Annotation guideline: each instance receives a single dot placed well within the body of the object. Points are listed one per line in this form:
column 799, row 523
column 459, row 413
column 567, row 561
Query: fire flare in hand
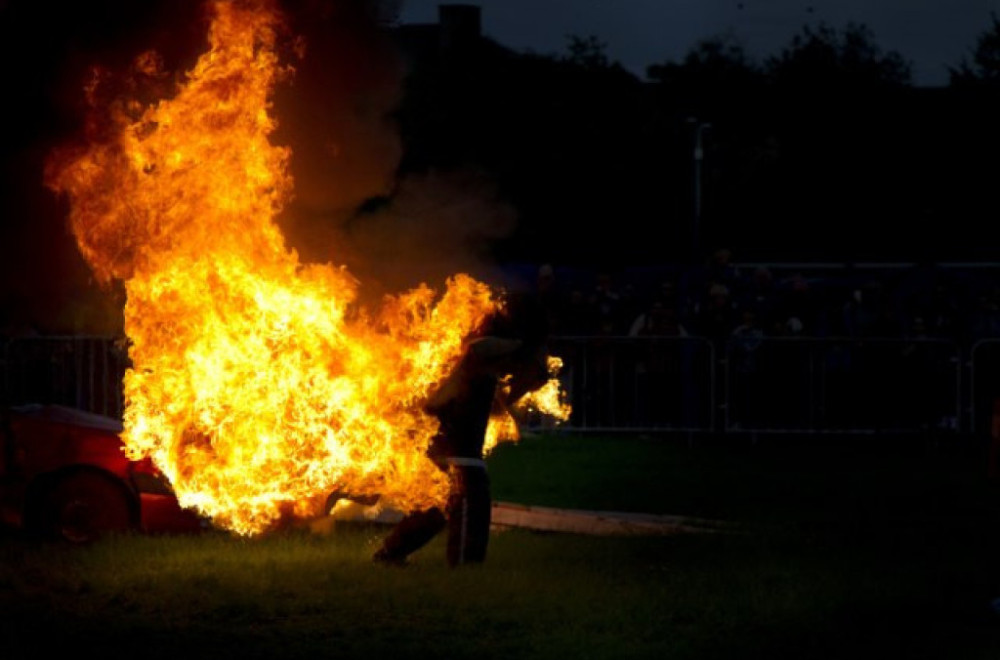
column 549, row 400
column 256, row 386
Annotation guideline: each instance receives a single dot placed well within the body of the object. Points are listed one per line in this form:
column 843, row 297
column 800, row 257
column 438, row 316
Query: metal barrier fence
column 762, row 384
column 81, row 371
column 842, row 385
column 769, row 384
column 639, row 383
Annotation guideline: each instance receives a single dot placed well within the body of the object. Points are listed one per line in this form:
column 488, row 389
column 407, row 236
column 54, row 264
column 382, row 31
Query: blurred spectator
column 668, row 295
column 869, row 313
column 798, row 310
column 662, row 368
column 722, row 269
column 760, row 295
column 659, row 320
column 718, row 267
column 819, row 304
column 917, row 329
column 629, row 306
column 746, row 338
column 905, row 307
column 984, row 322
column 941, row 313
column 926, row 376
column 549, row 298
column 931, row 293
column 605, row 305
column 576, row 317
column 749, row 384
column 716, row 317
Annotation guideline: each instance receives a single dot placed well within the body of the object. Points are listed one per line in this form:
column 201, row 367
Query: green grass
column 800, row 480
column 901, row 562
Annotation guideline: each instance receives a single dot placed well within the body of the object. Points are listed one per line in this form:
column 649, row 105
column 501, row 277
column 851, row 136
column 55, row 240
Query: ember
column 258, row 384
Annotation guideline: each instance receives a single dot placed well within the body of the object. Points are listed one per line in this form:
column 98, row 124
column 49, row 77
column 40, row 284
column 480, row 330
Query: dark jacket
column 511, row 342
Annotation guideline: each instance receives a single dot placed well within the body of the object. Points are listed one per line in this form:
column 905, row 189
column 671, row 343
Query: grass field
column 859, row 550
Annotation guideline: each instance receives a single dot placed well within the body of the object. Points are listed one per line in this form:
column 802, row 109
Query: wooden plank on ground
column 506, row 515
column 603, row 523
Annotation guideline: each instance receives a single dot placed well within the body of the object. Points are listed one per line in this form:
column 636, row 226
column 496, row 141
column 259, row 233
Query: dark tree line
column 825, row 150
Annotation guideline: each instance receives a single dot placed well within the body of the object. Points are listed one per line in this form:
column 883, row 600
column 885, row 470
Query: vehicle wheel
column 81, row 507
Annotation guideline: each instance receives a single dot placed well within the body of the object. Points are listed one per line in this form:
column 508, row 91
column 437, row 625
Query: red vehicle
column 64, row 475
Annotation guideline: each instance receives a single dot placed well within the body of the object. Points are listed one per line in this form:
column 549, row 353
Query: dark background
column 437, row 142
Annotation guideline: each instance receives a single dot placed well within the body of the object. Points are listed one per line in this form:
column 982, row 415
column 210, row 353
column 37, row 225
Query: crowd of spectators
column 929, row 313
column 721, row 299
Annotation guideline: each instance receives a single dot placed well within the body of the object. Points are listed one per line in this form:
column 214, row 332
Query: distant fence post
column 993, row 462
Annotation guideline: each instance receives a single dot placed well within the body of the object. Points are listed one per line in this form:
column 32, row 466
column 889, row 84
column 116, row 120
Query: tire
column 82, row 507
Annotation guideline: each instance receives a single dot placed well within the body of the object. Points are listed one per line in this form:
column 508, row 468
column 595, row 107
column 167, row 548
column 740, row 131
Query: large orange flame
column 257, row 384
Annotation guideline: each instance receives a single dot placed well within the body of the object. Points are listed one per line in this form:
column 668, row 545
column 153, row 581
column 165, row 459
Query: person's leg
column 409, row 535
column 469, row 513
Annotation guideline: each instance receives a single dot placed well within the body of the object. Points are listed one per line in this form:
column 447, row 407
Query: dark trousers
column 469, row 511
column 466, row 516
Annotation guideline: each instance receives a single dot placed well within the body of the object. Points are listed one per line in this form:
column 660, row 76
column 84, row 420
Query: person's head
column 718, row 295
column 668, row 291
column 603, row 281
column 546, row 277
column 762, row 277
column 722, row 257
column 520, row 317
column 663, row 318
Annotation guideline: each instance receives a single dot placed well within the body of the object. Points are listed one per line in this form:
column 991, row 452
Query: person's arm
column 528, row 373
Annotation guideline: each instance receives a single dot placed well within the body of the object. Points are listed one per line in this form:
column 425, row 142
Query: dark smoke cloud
column 337, row 116
column 335, row 112
column 433, row 226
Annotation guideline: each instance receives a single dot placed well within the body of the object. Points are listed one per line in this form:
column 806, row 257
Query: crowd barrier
column 762, row 384
column 84, row 372
column 843, row 385
column 651, row 384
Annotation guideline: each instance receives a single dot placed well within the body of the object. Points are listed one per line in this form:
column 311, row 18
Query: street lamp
column 699, row 155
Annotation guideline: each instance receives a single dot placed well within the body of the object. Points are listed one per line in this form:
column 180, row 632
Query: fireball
column 258, row 384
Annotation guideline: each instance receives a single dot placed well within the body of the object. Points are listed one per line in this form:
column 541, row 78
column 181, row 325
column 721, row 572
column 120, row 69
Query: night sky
column 931, row 34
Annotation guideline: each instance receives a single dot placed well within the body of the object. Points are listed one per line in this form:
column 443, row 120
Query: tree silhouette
column 716, row 83
column 985, row 65
column 719, row 60
column 588, row 52
column 823, row 57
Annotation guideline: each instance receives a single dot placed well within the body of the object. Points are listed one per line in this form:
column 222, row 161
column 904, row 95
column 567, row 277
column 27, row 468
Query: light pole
column 699, row 155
